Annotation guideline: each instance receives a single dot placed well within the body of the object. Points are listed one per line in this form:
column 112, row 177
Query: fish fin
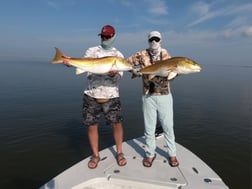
column 79, row 71
column 58, row 58
column 113, row 66
column 150, row 77
column 172, row 75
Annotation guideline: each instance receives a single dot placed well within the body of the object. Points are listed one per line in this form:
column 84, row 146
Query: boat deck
column 192, row 172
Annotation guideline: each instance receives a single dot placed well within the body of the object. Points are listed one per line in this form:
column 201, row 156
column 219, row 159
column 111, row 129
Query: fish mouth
column 197, row 69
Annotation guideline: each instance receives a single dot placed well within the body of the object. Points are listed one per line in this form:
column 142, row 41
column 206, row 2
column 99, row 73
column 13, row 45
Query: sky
column 208, row 31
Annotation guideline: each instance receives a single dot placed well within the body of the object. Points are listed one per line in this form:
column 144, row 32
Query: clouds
column 157, row 7
column 200, row 8
column 154, row 8
column 74, row 24
column 235, row 18
column 53, row 4
column 237, row 14
column 225, row 18
column 60, row 4
column 247, row 32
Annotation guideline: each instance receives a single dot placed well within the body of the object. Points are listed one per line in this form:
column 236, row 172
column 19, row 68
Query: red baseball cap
column 107, row 31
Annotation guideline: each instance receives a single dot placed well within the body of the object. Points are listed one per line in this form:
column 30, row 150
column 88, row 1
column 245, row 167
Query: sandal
column 147, row 162
column 173, row 162
column 121, row 161
column 93, row 162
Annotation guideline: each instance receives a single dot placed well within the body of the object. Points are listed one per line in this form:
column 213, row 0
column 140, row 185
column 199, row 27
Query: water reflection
column 41, row 132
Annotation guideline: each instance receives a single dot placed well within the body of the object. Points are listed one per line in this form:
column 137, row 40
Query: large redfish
column 171, row 67
column 94, row 65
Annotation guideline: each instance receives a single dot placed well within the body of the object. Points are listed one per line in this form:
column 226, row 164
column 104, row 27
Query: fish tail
column 58, row 58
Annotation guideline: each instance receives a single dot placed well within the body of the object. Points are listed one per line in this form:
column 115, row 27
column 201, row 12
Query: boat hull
column 192, row 173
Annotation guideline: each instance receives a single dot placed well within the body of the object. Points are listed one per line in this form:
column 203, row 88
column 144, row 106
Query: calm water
column 41, row 131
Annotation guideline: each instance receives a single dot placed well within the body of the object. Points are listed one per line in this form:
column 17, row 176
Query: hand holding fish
column 113, row 73
column 66, row 60
column 136, row 73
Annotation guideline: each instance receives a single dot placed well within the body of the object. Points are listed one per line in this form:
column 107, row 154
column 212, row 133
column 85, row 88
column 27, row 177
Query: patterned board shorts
column 92, row 111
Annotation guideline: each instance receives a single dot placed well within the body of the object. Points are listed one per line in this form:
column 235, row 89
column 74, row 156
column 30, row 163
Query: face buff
column 155, row 47
column 108, row 43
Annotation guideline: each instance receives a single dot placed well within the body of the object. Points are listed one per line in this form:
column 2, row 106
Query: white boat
column 192, row 172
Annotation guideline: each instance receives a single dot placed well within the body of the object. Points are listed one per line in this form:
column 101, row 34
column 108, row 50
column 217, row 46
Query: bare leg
column 93, row 137
column 118, row 137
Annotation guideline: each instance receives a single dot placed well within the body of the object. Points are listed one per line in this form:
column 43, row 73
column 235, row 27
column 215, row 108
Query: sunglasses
column 154, row 39
column 106, row 37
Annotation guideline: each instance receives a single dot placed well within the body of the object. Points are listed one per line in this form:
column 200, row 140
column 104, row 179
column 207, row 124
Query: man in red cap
column 107, row 31
column 102, row 97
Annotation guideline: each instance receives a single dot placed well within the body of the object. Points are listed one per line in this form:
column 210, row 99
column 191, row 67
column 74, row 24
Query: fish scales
column 94, row 65
column 171, row 67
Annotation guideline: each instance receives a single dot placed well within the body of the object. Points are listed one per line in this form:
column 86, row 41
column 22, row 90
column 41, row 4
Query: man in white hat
column 157, row 100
